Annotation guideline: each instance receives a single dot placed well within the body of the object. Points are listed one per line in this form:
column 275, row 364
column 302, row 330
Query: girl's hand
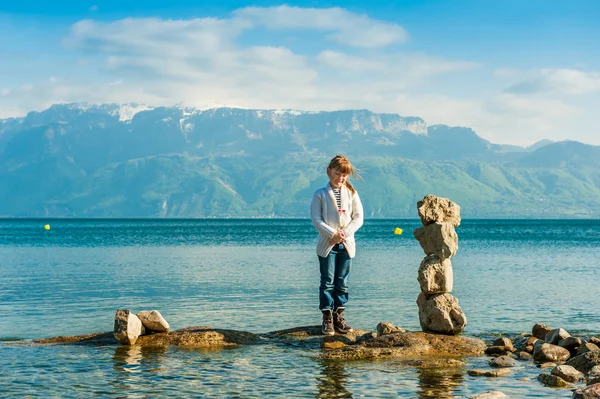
column 337, row 238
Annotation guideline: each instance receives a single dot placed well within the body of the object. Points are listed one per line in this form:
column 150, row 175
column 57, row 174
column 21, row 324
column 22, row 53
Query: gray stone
column 500, row 372
column 567, row 373
column 524, row 355
column 438, row 239
column 503, row 361
column 586, row 361
column 435, row 276
column 555, row 336
column 441, row 314
column 128, row 327
column 498, row 350
column 540, row 330
column 385, row 327
column 587, row 347
column 153, row 320
column 490, row 395
column 571, row 344
column 552, row 381
column 550, row 353
column 434, row 209
column 589, row 392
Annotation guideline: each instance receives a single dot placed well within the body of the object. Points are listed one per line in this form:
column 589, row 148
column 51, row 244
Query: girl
column 336, row 212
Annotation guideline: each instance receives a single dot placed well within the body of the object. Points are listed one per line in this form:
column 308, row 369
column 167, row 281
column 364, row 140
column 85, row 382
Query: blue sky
column 515, row 71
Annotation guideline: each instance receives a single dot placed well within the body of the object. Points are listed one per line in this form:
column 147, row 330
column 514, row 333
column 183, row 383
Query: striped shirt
column 338, row 197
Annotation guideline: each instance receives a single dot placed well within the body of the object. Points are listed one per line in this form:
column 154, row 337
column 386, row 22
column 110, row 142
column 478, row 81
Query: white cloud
column 345, row 27
column 558, row 81
column 209, row 61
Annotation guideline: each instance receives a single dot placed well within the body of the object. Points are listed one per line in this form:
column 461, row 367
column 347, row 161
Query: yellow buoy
column 398, row 230
column 47, row 227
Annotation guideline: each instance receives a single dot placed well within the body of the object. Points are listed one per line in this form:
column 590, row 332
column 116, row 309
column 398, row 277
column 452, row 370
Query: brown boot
column 339, row 323
column 327, row 327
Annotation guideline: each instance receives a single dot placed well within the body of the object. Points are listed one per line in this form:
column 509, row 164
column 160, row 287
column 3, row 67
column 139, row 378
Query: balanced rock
column 441, row 313
column 128, row 327
column 153, row 320
column 550, row 353
column 438, row 238
column 385, row 328
column 540, row 330
column 434, row 209
column 567, row 373
column 435, row 275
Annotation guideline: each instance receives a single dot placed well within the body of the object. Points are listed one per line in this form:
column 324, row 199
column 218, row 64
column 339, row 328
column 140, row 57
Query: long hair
column 342, row 164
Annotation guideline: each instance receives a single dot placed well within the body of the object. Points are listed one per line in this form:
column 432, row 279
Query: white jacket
column 328, row 219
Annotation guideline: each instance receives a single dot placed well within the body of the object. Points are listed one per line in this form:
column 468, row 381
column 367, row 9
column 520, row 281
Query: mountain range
column 111, row 160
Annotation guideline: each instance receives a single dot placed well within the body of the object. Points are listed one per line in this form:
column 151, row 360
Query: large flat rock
column 410, row 345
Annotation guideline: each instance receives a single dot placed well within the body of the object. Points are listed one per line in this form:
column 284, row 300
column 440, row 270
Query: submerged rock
column 489, row 395
column 501, row 372
column 409, row 345
column 553, row 381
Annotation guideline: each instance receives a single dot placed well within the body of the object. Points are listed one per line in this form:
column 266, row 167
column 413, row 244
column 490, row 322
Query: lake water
column 261, row 275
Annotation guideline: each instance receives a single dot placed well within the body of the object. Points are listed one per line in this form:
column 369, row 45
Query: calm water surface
column 260, row 276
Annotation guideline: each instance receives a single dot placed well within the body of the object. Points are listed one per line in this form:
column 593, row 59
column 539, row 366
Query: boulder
column 435, row 275
column 438, row 239
column 586, row 361
column 385, row 328
column 530, row 343
column 503, row 341
column 540, row 330
column 434, row 209
column 524, row 355
column 589, row 392
column 503, row 361
column 489, row 395
column 595, row 340
column 498, row 350
column 153, row 321
column 441, row 314
column 550, row 353
column 409, row 345
column 553, row 381
column 571, row 344
column 567, row 373
column 587, row 347
column 555, row 336
column 128, row 327
column 501, row 372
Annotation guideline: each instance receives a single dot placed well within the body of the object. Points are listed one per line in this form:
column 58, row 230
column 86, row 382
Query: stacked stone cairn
column 129, row 326
column 438, row 310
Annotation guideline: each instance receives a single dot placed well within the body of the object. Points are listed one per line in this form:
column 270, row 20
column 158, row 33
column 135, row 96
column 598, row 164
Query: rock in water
column 435, row 276
column 438, row 238
column 153, row 320
column 128, row 327
column 434, row 209
column 441, row 314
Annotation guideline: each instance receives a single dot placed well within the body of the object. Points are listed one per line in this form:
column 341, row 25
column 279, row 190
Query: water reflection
column 439, row 383
column 331, row 381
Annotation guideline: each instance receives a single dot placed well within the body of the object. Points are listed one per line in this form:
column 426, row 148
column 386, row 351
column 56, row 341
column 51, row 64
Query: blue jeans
column 335, row 270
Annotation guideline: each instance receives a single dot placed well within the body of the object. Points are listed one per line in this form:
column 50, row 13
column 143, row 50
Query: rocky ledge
column 357, row 345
